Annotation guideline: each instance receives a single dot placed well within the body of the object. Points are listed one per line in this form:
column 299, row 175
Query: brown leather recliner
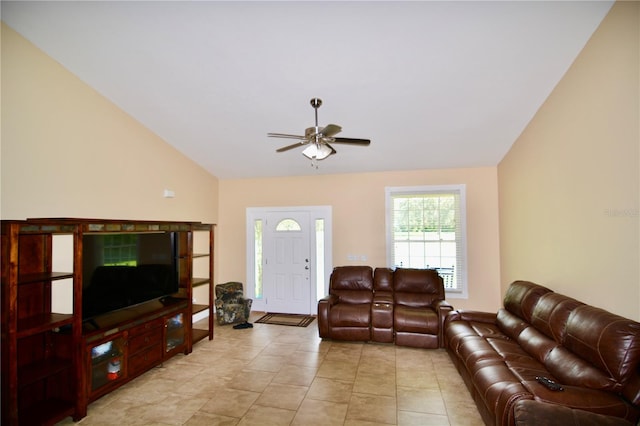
column 419, row 307
column 345, row 314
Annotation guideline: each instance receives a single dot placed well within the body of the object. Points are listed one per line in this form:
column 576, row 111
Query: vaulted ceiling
column 432, row 84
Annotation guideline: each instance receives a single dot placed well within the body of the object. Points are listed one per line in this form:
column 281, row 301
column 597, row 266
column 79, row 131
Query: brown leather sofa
column 405, row 306
column 593, row 354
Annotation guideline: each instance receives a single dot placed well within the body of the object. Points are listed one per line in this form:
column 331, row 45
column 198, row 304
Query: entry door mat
column 295, row 320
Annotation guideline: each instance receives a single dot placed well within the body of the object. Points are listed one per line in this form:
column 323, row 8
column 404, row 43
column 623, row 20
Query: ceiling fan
column 318, row 139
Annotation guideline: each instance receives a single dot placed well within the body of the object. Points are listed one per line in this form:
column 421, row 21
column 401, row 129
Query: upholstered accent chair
column 231, row 305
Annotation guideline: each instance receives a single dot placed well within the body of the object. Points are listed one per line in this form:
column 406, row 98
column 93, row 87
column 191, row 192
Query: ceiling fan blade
column 288, row 147
column 284, row 135
column 330, row 130
column 363, row 142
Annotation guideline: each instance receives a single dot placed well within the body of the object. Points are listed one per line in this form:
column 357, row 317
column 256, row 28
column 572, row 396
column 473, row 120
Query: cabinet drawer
column 142, row 341
column 144, row 328
column 145, row 359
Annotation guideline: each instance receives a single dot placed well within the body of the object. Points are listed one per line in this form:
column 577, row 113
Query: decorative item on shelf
column 113, row 369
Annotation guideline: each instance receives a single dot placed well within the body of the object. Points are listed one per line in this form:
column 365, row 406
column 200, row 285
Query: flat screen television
column 126, row 269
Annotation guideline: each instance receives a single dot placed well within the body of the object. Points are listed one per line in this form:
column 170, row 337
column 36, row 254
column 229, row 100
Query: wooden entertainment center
column 54, row 360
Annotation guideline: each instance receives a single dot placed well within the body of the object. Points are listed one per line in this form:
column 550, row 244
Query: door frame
column 315, row 213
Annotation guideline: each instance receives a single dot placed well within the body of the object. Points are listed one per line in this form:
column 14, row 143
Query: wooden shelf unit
column 52, row 364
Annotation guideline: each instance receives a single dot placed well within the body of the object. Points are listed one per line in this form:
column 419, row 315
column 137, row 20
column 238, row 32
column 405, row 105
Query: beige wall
column 569, row 187
column 69, row 152
column 358, row 206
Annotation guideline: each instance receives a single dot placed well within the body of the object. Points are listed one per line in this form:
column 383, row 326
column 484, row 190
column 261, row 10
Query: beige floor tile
column 372, row 408
column 330, row 390
column 377, row 365
column 345, row 352
column 355, row 422
column 315, row 345
column 251, row 380
column 296, row 375
column 206, row 419
column 204, row 385
column 421, row 401
column 280, row 349
column 341, row 370
column 384, row 351
column 320, row 413
column 230, row 402
column 381, row 383
column 175, row 410
column 284, row 396
column 415, row 378
column 267, row 363
column 263, row 416
column 306, row 358
column 463, row 413
column 408, row 418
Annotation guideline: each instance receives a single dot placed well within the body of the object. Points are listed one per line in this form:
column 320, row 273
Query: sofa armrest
column 442, row 307
column 534, row 413
column 579, row 398
column 324, row 306
column 475, row 316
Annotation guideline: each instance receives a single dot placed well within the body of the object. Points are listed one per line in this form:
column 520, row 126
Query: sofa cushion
column 609, row 342
column 383, row 281
column 352, row 284
column 350, row 315
column 521, row 298
column 412, row 320
column 536, row 344
column 417, row 287
column 551, row 313
column 510, row 324
column 573, row 370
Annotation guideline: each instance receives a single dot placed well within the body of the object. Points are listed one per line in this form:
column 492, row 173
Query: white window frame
column 461, row 262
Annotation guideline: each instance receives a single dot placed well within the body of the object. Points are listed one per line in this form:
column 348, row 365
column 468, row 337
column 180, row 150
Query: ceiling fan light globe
column 317, row 151
column 323, row 152
column 310, row 152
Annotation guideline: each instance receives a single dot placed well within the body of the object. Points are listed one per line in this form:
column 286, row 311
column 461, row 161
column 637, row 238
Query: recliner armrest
column 324, row 305
column 331, row 299
column 443, row 308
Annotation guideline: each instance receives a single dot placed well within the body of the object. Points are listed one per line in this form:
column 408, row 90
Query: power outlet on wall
column 357, row 257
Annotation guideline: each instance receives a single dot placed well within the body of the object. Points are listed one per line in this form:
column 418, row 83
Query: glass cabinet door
column 174, row 337
column 107, row 362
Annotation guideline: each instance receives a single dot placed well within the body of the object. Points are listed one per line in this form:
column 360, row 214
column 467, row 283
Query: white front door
column 287, row 268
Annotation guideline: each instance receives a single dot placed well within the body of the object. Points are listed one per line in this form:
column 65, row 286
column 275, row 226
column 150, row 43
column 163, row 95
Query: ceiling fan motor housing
column 311, row 132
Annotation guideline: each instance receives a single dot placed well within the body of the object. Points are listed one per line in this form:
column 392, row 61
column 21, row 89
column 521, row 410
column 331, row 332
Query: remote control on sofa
column 550, row 384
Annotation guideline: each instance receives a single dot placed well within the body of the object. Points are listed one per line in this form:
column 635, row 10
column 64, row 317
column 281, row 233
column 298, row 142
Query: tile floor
column 281, row 375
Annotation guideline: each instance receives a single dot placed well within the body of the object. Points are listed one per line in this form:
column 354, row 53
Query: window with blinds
column 426, row 229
